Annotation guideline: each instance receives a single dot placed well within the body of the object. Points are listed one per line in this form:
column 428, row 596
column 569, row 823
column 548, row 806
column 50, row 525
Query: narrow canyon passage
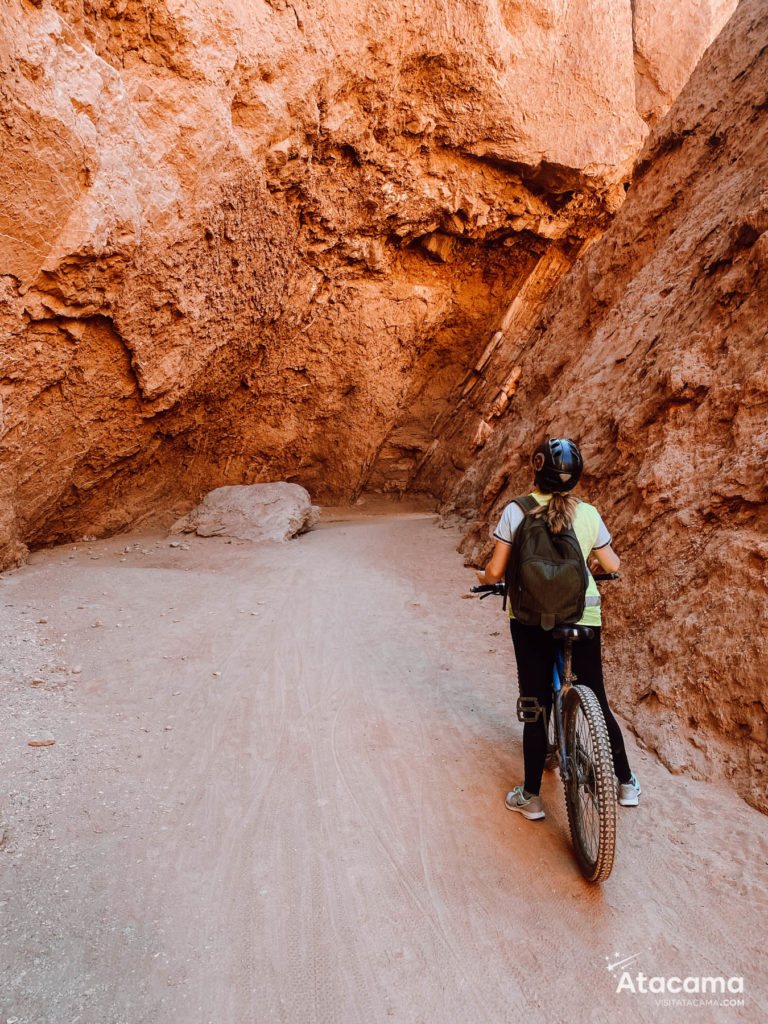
column 276, row 794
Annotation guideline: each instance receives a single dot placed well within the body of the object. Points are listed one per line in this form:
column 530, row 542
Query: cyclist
column 557, row 466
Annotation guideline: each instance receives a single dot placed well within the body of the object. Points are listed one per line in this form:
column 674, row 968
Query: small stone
column 95, row 624
column 77, row 670
column 37, row 682
column 45, row 739
column 217, row 674
column 42, row 621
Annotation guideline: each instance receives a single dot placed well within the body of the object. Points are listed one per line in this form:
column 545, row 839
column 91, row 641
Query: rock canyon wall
column 256, row 240
column 653, row 352
column 333, row 244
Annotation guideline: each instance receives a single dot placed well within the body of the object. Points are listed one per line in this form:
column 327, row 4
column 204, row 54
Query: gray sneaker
column 530, row 807
column 629, row 792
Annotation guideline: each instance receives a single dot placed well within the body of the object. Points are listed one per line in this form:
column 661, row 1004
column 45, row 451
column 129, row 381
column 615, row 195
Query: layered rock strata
column 246, row 241
column 652, row 354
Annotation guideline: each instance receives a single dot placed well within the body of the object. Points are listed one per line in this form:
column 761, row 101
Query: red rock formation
column 652, row 353
column 669, row 40
column 238, row 240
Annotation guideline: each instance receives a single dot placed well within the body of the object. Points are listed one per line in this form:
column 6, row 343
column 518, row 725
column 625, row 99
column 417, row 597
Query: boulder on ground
column 275, row 511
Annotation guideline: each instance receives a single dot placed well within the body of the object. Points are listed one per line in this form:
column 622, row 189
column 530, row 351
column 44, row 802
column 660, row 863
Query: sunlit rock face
column 669, row 39
column 652, row 354
column 248, row 241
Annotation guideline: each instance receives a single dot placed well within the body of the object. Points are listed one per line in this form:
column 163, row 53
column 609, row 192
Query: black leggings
column 535, row 654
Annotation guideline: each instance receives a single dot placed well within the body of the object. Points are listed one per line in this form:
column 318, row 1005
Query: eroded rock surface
column 258, row 512
column 652, row 353
column 669, row 40
column 244, row 241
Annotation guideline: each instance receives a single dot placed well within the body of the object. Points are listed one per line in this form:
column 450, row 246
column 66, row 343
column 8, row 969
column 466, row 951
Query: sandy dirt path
column 276, row 794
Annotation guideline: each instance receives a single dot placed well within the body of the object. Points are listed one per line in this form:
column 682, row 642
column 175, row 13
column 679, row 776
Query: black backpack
column 546, row 579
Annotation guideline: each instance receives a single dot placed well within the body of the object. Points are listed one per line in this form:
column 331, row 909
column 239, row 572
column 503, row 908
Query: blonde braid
column 560, row 511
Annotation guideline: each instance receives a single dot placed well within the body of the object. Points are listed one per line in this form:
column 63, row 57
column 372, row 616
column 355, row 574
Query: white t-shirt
column 513, row 515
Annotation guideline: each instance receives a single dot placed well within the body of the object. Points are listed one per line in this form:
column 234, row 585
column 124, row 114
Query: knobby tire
column 590, row 792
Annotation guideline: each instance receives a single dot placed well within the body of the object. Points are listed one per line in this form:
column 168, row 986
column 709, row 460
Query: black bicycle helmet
column 557, row 465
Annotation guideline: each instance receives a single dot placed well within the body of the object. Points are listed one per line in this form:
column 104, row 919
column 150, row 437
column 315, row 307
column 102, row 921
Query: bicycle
column 578, row 744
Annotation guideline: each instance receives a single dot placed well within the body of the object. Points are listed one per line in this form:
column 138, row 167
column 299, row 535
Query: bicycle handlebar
column 486, row 589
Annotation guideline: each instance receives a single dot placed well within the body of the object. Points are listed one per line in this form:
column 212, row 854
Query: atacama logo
column 681, row 989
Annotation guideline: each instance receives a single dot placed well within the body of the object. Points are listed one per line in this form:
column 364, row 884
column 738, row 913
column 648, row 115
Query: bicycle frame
column 561, row 681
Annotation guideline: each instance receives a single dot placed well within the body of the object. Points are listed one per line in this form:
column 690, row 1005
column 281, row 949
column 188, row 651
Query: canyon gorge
column 386, row 248
column 653, row 352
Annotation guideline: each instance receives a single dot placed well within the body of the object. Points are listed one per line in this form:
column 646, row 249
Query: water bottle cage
column 528, row 709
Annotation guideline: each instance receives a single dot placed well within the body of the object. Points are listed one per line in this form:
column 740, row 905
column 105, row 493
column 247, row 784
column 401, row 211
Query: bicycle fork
column 561, row 681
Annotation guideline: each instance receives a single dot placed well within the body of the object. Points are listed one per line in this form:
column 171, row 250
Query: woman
column 557, row 466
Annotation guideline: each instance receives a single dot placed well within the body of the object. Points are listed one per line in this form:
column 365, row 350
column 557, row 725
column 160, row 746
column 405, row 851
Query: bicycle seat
column 567, row 631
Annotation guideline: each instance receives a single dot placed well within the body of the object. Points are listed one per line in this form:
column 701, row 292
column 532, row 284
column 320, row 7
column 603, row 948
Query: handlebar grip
column 486, row 589
column 605, row 576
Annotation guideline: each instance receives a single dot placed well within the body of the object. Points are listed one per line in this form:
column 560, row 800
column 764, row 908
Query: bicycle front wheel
column 590, row 793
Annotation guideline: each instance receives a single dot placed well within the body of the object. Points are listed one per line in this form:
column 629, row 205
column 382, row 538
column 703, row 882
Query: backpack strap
column 526, row 502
